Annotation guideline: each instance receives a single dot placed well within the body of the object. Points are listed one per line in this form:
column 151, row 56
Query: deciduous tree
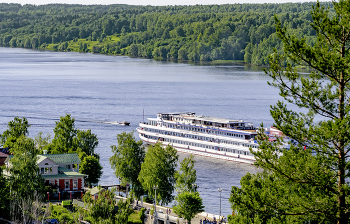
column 69, row 139
column 102, row 209
column 65, row 132
column 24, row 180
column 188, row 204
column 124, row 211
column 4, row 196
column 158, row 169
column 16, row 128
column 91, row 167
column 42, row 142
column 186, row 176
column 86, row 141
column 127, row 159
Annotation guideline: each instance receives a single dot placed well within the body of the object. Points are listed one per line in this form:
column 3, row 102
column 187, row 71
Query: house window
column 66, row 184
column 75, row 184
column 50, row 169
column 46, row 169
column 42, row 170
column 68, row 166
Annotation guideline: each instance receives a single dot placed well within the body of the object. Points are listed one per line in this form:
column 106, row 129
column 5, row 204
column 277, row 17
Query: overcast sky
column 148, row 2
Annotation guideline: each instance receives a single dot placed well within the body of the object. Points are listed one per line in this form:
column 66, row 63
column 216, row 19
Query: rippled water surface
column 42, row 86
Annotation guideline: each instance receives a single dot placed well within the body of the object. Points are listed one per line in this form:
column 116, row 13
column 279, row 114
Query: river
column 43, row 85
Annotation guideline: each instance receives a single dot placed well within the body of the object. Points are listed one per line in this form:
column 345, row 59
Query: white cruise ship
column 201, row 135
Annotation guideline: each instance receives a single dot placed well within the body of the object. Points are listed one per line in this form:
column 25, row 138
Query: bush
column 61, row 214
column 142, row 214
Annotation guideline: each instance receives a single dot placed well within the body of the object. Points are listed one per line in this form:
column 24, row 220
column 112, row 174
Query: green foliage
column 158, row 169
column 28, row 210
column 127, row 159
column 65, row 132
column 4, row 196
column 101, row 209
column 124, row 211
column 135, row 218
column 309, row 185
column 186, row 176
column 142, row 215
column 105, row 209
column 16, row 128
column 25, row 184
column 91, row 167
column 21, row 192
column 62, row 214
column 42, row 143
column 151, row 212
column 200, row 32
column 24, row 178
column 68, row 139
column 188, row 204
column 86, row 141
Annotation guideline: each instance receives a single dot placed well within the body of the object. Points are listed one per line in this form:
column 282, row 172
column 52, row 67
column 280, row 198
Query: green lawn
column 75, row 45
column 135, row 218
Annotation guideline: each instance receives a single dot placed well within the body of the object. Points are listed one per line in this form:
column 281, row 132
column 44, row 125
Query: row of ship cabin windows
column 154, row 123
column 210, row 123
column 202, row 130
column 210, row 132
column 207, row 146
column 198, row 137
column 198, row 145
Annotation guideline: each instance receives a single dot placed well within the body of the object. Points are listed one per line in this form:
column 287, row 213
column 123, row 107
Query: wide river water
column 42, row 86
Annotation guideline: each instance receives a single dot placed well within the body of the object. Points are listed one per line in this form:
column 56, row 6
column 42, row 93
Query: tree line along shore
column 217, row 33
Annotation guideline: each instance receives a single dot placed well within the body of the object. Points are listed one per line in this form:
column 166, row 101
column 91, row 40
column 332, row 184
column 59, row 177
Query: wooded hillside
column 244, row 32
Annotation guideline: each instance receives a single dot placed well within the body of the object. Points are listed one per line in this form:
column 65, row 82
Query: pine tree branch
column 299, row 96
column 312, row 183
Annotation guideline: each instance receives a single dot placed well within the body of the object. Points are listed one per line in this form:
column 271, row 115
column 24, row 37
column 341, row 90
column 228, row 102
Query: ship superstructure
column 202, row 135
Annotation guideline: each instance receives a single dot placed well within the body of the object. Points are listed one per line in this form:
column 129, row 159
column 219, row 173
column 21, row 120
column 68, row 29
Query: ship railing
column 204, row 126
column 183, row 134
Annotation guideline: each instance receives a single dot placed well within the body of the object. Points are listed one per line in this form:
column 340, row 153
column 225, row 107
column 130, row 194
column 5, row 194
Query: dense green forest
column 240, row 32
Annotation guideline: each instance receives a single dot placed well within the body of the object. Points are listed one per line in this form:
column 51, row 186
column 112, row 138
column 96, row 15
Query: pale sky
column 149, row 2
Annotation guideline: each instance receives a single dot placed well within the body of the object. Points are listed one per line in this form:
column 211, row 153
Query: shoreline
column 176, row 61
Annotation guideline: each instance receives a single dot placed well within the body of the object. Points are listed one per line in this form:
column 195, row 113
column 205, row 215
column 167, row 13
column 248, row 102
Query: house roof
column 67, row 158
column 96, row 190
column 41, row 158
column 64, row 173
